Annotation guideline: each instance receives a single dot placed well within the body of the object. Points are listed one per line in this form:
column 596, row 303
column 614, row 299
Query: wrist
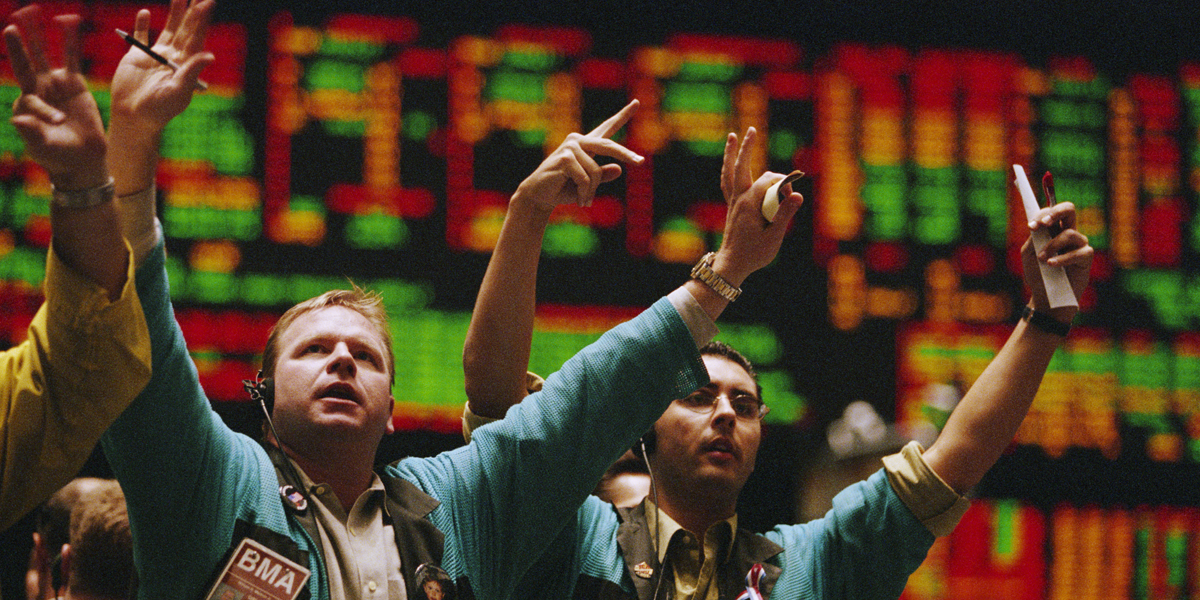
column 86, row 179
column 133, row 163
column 82, row 197
column 704, row 273
column 728, row 270
column 1054, row 321
column 522, row 205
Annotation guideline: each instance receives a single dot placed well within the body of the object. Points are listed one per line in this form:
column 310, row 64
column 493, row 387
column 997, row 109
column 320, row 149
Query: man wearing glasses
column 682, row 541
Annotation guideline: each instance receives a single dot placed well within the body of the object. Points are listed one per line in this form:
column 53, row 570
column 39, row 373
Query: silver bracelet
column 83, row 198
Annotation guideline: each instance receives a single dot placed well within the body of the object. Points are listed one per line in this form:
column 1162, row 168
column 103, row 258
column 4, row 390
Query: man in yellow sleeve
column 87, row 352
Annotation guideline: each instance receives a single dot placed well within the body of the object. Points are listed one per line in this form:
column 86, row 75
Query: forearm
column 496, row 352
column 88, row 240
column 133, row 158
column 985, row 421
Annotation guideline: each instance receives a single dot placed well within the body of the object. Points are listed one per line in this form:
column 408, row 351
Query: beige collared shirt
column 694, row 568
column 361, row 558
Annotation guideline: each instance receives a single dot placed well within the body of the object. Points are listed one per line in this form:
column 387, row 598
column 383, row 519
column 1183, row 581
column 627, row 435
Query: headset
column 645, row 445
column 262, row 391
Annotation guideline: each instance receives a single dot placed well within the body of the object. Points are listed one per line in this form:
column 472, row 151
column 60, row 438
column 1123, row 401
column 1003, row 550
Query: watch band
column 83, row 198
column 1045, row 322
column 703, row 271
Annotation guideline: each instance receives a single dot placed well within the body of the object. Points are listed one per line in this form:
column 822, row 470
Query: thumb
column 787, row 209
column 609, row 172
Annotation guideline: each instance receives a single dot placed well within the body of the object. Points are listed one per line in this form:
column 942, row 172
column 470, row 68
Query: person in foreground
column 197, row 492
column 87, row 352
column 682, row 541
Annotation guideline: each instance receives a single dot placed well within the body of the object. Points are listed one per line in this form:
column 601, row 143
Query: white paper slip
column 1058, row 287
column 771, row 201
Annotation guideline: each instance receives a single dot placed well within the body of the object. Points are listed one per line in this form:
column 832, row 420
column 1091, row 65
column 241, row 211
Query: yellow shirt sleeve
column 472, row 421
column 933, row 502
column 83, row 361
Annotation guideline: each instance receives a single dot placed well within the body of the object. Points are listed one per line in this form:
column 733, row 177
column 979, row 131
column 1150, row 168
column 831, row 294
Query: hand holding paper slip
column 1058, row 287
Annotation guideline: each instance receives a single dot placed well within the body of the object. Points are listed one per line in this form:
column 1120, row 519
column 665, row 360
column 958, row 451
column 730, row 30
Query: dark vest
column 634, row 539
column 418, row 541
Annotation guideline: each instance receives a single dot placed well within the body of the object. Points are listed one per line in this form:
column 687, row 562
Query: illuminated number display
column 381, row 149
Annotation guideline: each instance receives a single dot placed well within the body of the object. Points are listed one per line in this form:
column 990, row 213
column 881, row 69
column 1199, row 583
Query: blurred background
column 380, row 142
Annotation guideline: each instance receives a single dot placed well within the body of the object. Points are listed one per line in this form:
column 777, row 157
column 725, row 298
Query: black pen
column 156, row 56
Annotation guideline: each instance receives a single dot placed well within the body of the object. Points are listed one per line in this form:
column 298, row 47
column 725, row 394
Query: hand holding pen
column 146, row 94
column 154, row 82
column 200, row 84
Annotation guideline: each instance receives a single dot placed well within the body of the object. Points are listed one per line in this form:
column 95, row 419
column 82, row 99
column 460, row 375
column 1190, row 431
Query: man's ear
column 64, row 569
column 391, row 427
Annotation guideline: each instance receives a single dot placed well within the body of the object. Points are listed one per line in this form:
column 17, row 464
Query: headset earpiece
column 261, row 390
column 646, row 444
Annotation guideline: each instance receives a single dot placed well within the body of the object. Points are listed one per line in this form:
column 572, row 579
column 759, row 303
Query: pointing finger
column 615, row 122
column 607, row 147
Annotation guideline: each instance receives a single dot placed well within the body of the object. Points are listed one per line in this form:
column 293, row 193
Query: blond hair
column 369, row 304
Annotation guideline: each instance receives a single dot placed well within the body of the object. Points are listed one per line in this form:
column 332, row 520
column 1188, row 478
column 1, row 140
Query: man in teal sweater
column 683, row 542
column 482, row 514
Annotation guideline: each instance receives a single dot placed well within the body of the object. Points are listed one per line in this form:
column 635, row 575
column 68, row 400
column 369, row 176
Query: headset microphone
column 262, row 391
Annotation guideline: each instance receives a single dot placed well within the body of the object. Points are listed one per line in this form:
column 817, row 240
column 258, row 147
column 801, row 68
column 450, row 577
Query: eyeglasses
column 745, row 406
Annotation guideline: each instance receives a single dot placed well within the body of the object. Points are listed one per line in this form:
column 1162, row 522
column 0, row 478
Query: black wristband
column 1045, row 322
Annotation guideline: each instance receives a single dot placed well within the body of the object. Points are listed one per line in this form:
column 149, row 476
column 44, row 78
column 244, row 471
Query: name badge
column 256, row 572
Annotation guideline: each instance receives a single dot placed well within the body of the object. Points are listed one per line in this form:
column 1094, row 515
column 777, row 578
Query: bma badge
column 643, row 570
column 255, row 572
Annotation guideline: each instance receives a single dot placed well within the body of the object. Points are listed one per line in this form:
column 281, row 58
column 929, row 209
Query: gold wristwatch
column 704, row 272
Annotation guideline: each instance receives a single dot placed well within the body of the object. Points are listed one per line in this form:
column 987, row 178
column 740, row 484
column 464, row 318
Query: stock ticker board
column 383, row 149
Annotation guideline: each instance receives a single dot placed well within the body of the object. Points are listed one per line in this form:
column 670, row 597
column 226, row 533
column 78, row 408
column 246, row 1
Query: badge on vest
column 643, row 570
column 433, row 583
column 255, row 572
column 293, row 498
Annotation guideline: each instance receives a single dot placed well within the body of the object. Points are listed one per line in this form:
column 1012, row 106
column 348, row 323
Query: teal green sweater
column 864, row 548
column 504, row 497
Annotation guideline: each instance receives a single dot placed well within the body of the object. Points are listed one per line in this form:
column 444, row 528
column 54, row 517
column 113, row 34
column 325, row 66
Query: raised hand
column 749, row 242
column 147, row 94
column 55, row 114
column 571, row 174
column 1069, row 249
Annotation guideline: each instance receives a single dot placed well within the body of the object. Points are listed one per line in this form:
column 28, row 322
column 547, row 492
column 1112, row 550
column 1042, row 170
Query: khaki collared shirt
column 361, row 558
column 694, row 568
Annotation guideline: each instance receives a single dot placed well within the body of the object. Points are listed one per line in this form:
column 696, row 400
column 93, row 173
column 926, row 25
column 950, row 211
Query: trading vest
column 418, row 540
column 634, row 537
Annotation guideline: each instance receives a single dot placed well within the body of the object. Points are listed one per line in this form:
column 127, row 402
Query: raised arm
column 496, row 353
column 59, row 122
column 749, row 242
column 987, row 418
column 87, row 350
column 520, row 479
column 146, row 95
